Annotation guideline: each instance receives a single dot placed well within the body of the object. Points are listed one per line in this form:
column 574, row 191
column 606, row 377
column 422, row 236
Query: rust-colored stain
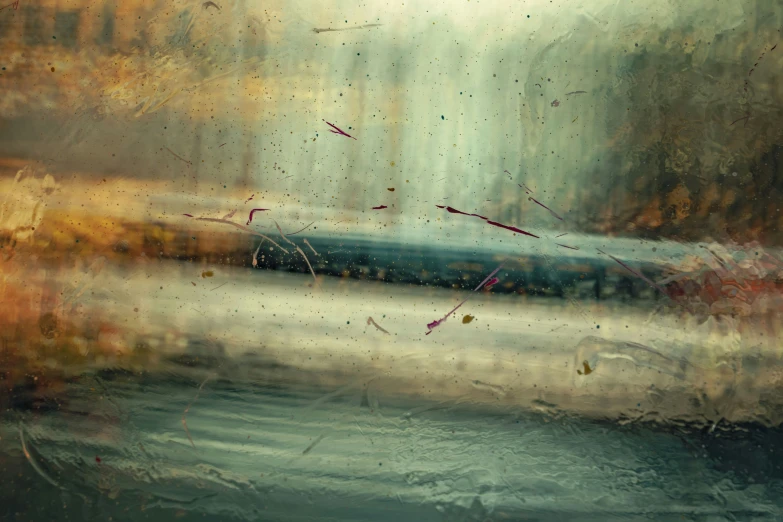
column 207, row 273
column 48, row 325
column 587, row 369
column 467, row 319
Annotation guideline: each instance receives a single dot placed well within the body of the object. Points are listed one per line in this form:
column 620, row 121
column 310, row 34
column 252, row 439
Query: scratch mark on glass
column 645, row 279
column 255, row 255
column 306, row 242
column 315, row 279
column 237, row 225
column 338, row 130
column 32, row 461
column 544, row 206
column 365, row 26
column 301, row 229
column 178, row 156
column 434, row 324
column 746, row 118
column 15, row 5
column 309, row 448
column 184, row 413
column 371, row 321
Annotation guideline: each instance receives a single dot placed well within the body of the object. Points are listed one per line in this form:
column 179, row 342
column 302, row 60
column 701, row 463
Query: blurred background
column 231, row 232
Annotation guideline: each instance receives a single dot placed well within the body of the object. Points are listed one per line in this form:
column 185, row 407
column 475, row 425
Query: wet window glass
column 448, row 261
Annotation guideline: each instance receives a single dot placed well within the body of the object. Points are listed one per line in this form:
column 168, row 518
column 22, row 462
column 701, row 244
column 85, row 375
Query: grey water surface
column 258, row 453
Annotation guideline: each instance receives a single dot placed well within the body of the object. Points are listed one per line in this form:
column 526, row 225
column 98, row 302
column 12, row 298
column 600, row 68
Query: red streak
column 455, row 211
column 338, row 130
column 253, row 212
column 493, row 223
column 435, row 324
column 492, row 282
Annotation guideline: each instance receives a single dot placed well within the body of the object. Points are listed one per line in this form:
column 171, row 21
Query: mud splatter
column 587, row 369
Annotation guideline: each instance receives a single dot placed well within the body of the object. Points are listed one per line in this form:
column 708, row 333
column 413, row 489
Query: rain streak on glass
column 465, row 260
